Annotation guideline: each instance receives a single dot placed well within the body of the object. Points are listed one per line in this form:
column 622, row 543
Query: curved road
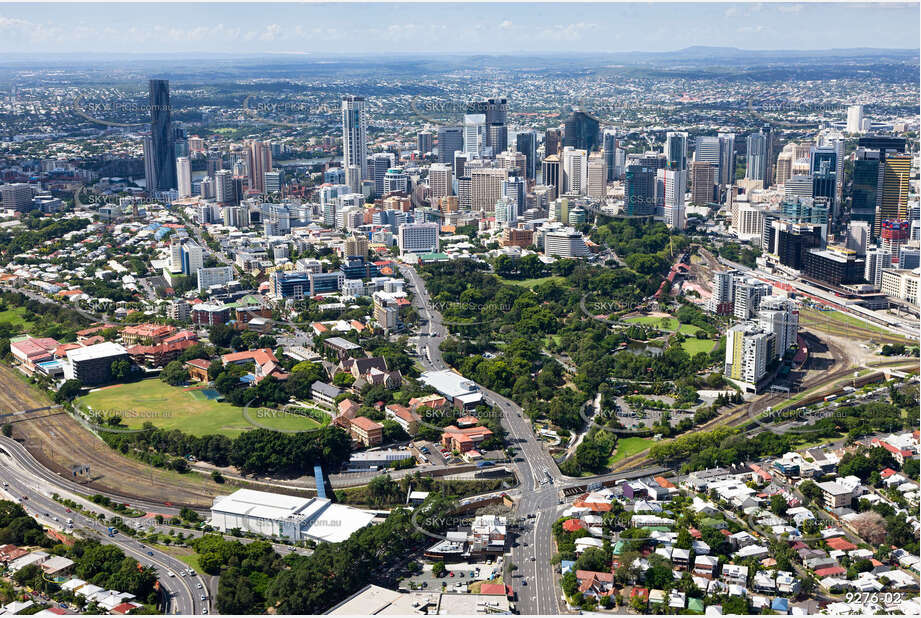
column 26, row 461
column 35, row 496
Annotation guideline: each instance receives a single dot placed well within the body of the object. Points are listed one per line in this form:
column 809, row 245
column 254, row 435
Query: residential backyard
column 188, row 409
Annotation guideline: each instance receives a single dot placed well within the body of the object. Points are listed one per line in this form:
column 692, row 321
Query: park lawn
column 16, row 317
column 669, row 324
column 629, row 446
column 530, row 283
column 173, row 407
column 692, row 345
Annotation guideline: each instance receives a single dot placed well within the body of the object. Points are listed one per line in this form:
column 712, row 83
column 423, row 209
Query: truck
column 112, row 531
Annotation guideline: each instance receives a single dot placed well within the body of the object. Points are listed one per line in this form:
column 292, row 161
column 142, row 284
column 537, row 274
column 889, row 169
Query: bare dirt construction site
column 59, row 443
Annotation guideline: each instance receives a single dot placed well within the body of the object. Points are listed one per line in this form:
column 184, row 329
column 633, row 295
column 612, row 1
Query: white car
column 170, row 574
column 199, row 586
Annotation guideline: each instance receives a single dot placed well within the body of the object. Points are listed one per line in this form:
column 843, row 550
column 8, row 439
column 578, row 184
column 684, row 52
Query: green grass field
column 693, row 345
column 171, row 407
column 16, row 318
column 530, row 283
column 669, row 324
column 629, row 446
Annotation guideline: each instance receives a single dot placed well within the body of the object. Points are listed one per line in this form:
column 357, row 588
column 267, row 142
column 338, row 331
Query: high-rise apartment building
column 258, row 162
column 184, row 177
column 162, row 151
column 425, row 142
column 855, row 119
column 354, row 141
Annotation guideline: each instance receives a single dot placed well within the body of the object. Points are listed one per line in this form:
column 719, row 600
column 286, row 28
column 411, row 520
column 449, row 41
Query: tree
column 811, row 491
column 175, row 373
column 438, row 569
column 68, row 391
column 121, row 370
column 7, row 430
column 778, row 504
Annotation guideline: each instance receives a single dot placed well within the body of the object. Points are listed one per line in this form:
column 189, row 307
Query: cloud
column 568, row 32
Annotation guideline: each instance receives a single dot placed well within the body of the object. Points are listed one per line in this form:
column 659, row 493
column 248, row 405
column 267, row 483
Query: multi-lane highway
column 34, row 493
column 26, row 461
column 538, row 474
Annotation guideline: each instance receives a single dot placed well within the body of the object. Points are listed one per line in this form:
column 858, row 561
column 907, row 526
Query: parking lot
column 458, row 578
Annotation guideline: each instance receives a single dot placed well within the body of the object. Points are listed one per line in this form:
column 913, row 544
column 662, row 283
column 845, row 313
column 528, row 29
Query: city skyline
column 360, row 28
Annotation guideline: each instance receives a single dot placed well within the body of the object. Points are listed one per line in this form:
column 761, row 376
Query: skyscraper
column 676, row 150
column 184, row 177
column 450, row 140
column 703, row 180
column 824, row 166
column 161, row 133
column 865, row 185
column 892, row 203
column 671, row 184
column 377, row 167
column 258, row 162
column 474, row 134
column 440, row 180
column 424, row 142
column 550, row 173
column 855, row 119
column 609, row 152
column 727, row 158
column 756, row 158
column 354, row 141
column 597, row 176
column 526, row 144
column 575, row 171
column 552, row 138
column 495, row 113
column 640, row 190
column 581, row 131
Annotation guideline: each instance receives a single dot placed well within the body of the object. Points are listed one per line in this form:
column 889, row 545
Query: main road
column 183, row 593
column 538, row 474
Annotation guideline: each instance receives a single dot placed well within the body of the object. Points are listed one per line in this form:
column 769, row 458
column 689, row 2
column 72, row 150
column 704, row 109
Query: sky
column 461, row 28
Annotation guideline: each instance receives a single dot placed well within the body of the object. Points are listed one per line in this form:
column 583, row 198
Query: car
column 451, row 574
column 150, row 553
column 532, row 558
column 68, row 510
column 203, row 597
column 182, row 573
column 204, row 610
column 524, row 582
column 198, row 585
column 170, row 574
